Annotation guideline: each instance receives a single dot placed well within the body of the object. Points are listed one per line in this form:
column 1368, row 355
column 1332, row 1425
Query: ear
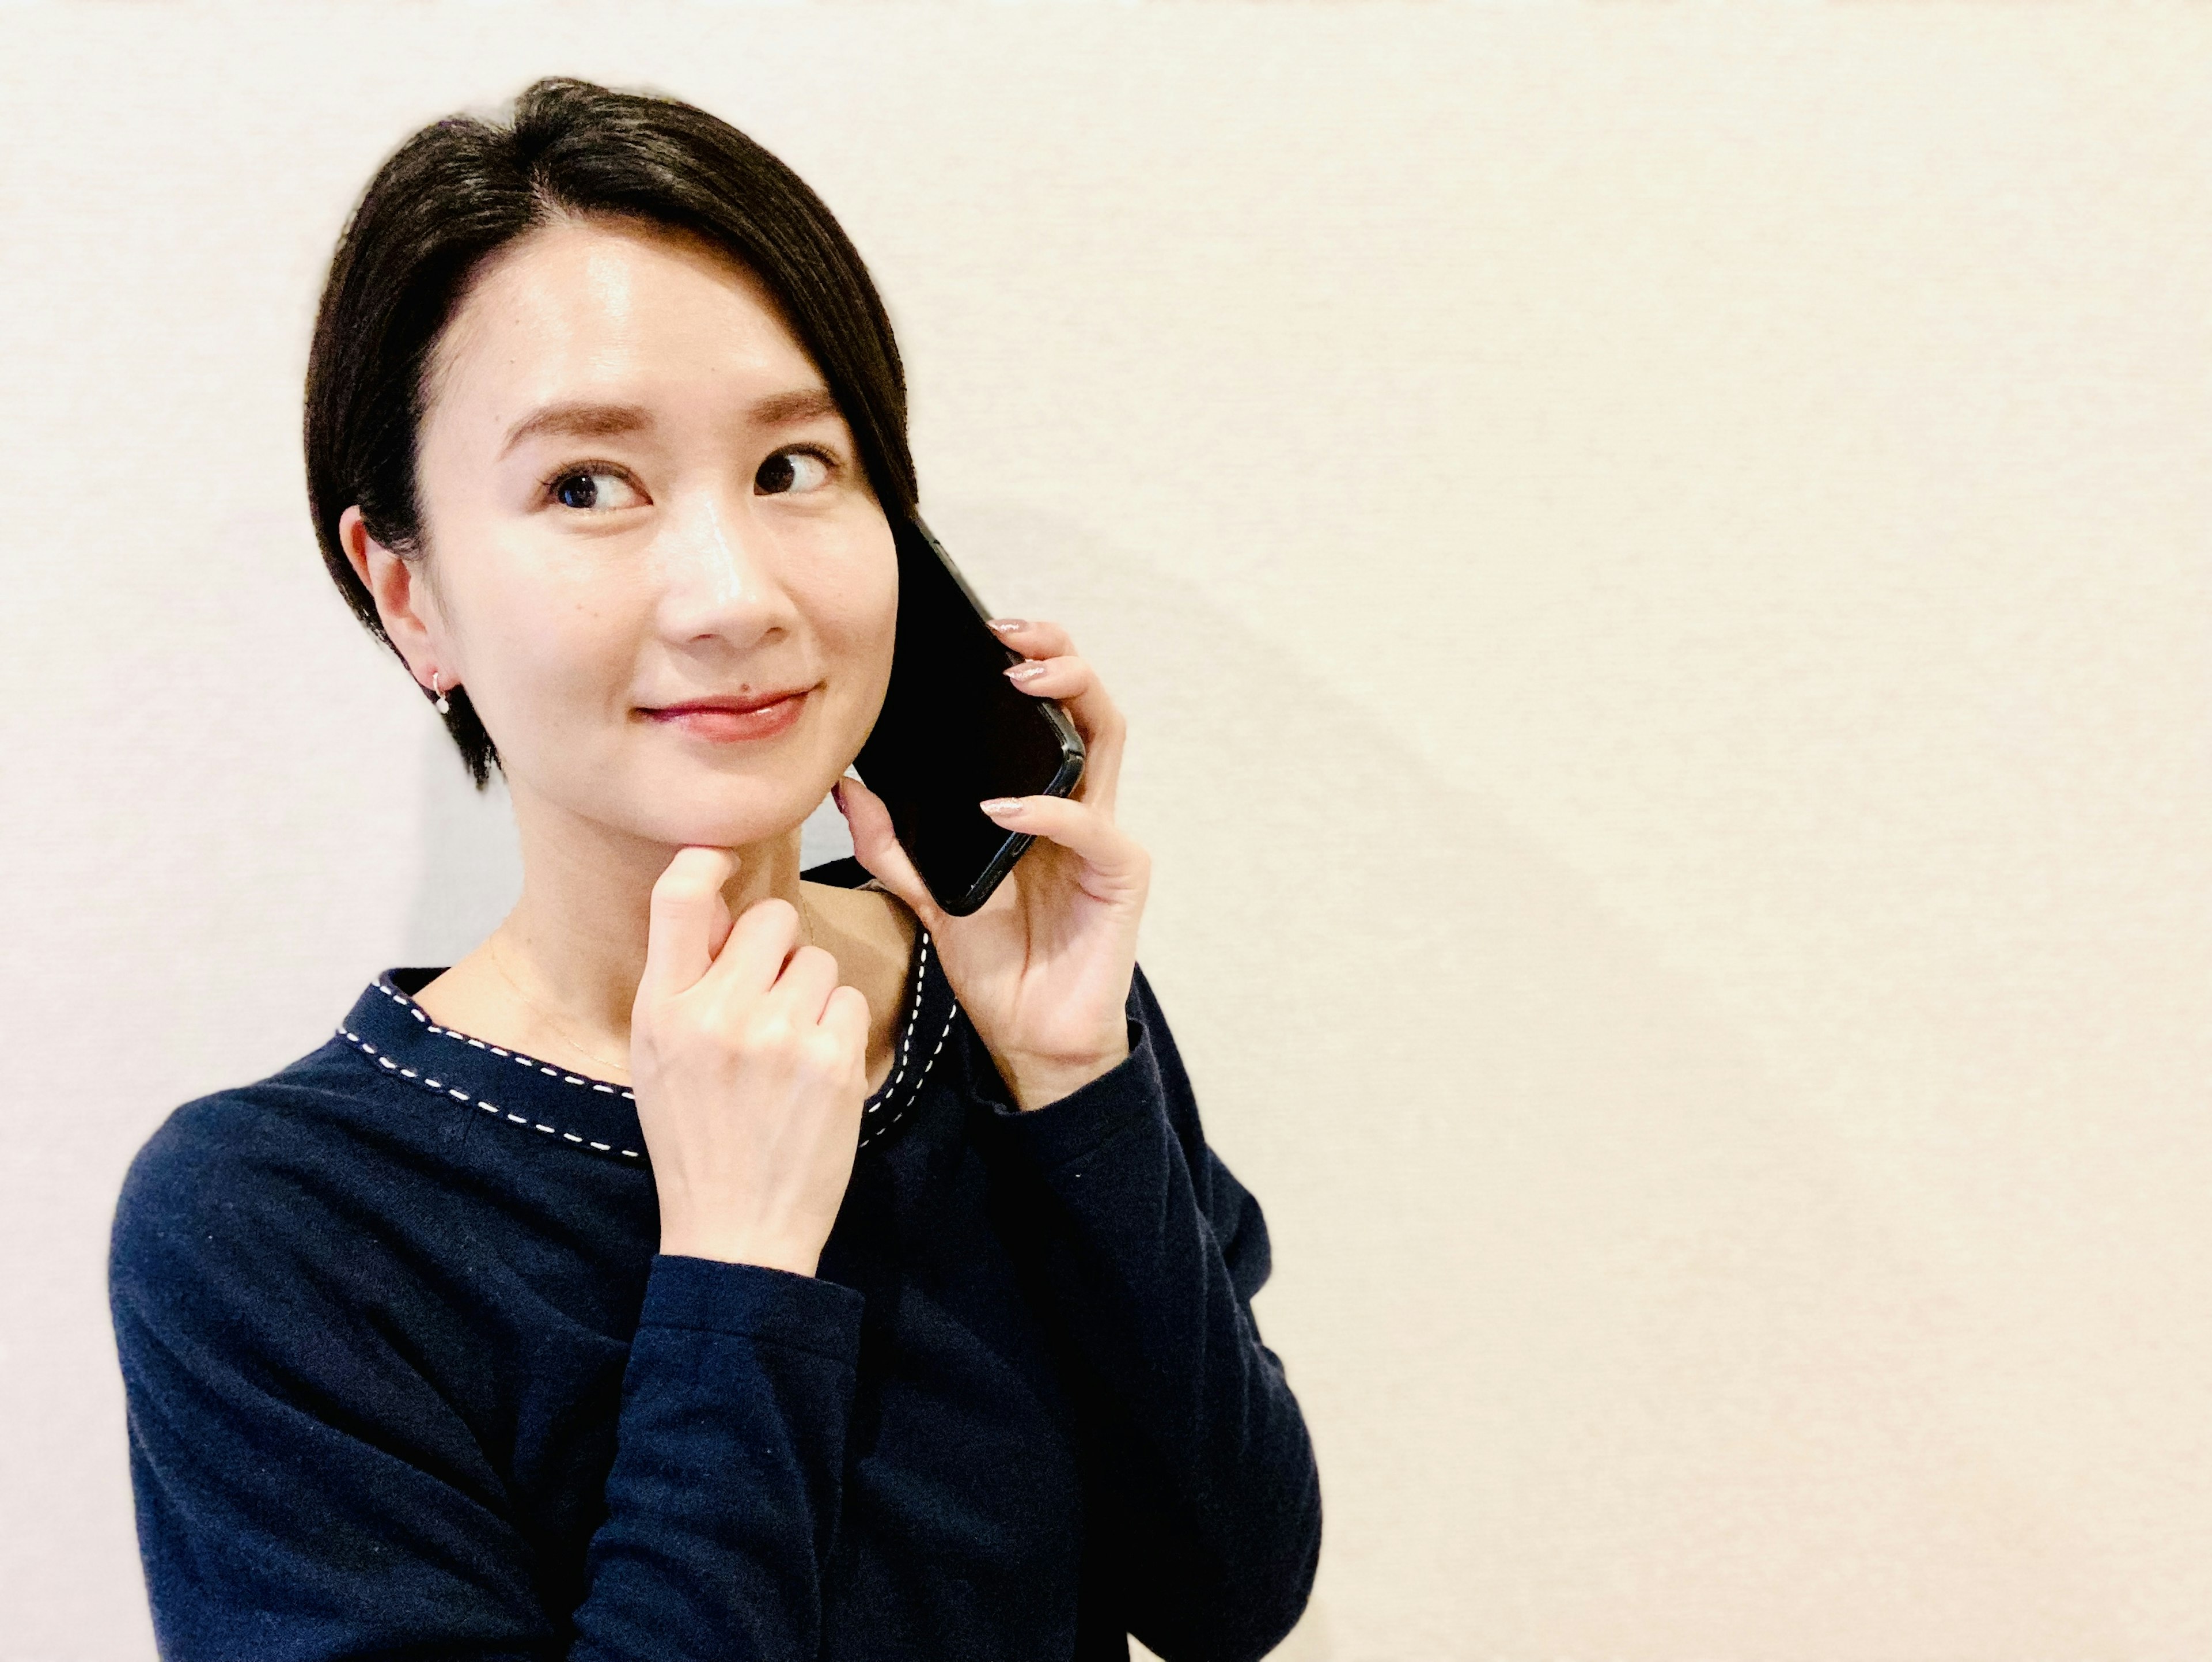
column 401, row 590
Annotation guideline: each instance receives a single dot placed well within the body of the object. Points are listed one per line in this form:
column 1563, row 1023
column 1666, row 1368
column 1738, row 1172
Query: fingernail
column 998, row 805
column 1008, row 625
column 837, row 795
column 1026, row 673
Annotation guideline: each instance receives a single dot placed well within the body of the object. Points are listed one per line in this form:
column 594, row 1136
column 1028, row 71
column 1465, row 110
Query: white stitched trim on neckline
column 444, row 1089
column 423, row 1016
column 870, row 1132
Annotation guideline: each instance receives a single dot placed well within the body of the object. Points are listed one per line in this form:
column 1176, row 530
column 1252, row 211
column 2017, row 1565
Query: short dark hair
column 462, row 188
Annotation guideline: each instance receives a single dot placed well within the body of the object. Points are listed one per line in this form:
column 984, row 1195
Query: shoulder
column 874, row 914
column 871, row 934
column 259, row 1264
column 228, row 1130
column 256, row 1173
column 293, row 1413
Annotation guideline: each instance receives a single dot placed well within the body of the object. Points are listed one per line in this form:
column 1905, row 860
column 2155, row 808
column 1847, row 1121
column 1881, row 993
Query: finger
column 759, row 944
column 1075, row 684
column 719, row 937
column 1065, row 678
column 1115, row 859
column 804, row 988
column 876, row 846
column 687, row 921
column 1033, row 637
column 845, row 1015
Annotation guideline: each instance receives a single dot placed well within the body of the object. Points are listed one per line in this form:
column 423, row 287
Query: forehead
column 614, row 310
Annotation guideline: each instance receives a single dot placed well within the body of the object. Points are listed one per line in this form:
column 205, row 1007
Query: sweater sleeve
column 305, row 1492
column 1151, row 1253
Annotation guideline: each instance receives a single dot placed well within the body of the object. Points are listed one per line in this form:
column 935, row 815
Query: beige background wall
column 1657, row 557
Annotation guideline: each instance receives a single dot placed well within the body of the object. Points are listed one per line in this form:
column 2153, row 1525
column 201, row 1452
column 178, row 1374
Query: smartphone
column 954, row 732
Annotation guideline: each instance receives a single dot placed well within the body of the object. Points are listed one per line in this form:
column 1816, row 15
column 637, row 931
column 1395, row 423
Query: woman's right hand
column 749, row 1063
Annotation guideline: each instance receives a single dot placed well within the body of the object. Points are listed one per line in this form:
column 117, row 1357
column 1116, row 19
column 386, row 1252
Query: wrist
column 1038, row 1081
column 723, row 1247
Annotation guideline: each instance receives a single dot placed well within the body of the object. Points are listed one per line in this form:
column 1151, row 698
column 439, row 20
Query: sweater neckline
column 394, row 1035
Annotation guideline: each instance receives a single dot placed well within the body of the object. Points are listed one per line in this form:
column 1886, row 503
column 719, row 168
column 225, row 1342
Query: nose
column 720, row 580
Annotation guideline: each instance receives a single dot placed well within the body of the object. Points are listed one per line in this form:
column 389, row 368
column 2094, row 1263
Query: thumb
column 876, row 846
column 689, row 920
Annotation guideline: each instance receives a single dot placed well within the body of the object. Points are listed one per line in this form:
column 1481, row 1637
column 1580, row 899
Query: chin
column 721, row 818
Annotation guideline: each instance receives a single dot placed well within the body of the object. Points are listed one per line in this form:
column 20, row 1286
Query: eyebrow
column 578, row 421
column 601, row 420
column 789, row 409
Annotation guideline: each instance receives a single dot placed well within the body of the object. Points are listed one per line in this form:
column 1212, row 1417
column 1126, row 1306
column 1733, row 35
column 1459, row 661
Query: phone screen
column 954, row 731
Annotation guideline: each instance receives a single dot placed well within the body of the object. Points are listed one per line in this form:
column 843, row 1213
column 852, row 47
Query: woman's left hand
column 1044, row 967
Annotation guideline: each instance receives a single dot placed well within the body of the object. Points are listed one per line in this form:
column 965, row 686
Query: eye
column 593, row 490
column 789, row 470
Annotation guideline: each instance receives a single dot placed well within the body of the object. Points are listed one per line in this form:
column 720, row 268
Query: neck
column 575, row 940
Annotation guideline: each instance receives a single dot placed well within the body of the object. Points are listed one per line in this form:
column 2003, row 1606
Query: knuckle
column 833, row 1061
column 769, row 1031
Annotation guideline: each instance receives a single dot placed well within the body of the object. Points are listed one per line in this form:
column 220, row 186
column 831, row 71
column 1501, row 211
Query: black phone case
column 955, row 732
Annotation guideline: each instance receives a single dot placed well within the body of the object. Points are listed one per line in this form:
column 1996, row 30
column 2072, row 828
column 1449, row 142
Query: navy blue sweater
column 407, row 1378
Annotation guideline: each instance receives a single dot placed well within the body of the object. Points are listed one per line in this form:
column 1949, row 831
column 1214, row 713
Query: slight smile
column 735, row 718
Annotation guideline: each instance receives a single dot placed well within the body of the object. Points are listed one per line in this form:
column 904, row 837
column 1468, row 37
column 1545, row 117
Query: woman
column 713, row 1262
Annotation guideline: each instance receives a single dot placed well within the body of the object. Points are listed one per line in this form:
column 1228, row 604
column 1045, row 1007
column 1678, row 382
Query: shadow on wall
column 1602, row 1352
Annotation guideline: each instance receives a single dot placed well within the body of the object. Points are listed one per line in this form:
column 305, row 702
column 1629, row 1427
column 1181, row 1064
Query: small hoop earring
column 443, row 704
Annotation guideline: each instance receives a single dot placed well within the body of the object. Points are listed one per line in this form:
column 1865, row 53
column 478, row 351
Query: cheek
column 543, row 647
column 853, row 609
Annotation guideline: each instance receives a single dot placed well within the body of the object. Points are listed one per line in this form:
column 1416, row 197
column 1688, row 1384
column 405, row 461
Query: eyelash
column 570, row 469
column 827, row 459
column 576, row 469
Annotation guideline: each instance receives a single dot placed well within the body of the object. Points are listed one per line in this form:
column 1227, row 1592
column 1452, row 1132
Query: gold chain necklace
column 492, row 947
column 547, row 1016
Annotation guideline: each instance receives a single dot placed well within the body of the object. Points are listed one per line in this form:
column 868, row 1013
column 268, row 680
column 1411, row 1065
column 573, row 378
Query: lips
column 734, row 718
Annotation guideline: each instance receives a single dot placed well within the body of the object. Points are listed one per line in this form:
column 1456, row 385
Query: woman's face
column 654, row 558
